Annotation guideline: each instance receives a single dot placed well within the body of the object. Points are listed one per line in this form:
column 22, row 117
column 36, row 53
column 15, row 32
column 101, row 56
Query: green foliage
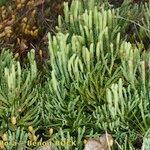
column 2, row 2
column 17, row 139
column 145, row 29
column 106, row 77
column 96, row 80
column 18, row 93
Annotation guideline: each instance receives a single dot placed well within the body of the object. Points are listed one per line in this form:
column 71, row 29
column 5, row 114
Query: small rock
column 93, row 145
column 104, row 143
